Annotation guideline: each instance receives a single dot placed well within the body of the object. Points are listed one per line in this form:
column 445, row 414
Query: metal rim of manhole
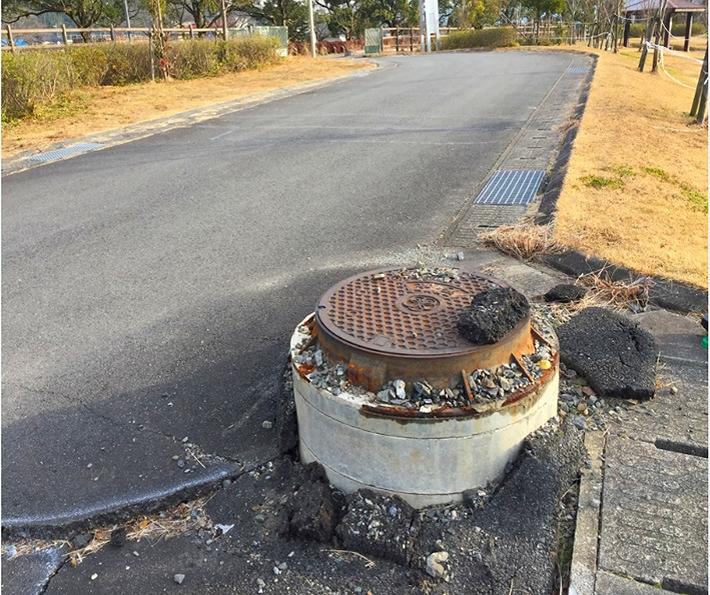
column 401, row 311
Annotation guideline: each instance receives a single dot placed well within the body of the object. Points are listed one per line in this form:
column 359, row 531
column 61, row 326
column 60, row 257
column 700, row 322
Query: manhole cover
column 402, row 324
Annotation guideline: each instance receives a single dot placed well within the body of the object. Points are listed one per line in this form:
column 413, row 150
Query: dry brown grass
column 523, row 240
column 616, row 293
column 156, row 527
column 101, row 109
column 636, row 188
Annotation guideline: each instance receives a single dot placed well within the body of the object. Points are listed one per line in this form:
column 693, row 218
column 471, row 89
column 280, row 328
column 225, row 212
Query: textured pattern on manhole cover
column 511, row 187
column 65, row 152
column 407, row 311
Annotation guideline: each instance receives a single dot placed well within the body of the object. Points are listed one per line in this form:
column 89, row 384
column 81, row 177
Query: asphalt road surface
column 149, row 289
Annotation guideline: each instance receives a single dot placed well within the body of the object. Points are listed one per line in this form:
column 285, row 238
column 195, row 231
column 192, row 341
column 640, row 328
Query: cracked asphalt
column 149, row 289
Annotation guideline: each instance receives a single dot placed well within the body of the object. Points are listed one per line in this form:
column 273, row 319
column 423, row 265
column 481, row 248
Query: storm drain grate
column 65, row 152
column 511, row 187
column 578, row 70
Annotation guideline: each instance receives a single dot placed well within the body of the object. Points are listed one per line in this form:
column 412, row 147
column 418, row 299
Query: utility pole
column 312, row 27
column 128, row 17
column 225, row 31
column 424, row 37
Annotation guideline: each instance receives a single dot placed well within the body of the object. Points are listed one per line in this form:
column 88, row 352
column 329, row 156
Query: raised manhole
column 511, row 187
column 402, row 324
column 389, row 396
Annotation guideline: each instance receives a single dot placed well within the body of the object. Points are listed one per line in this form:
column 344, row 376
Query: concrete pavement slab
column 654, row 516
column 610, row 584
column 29, row 574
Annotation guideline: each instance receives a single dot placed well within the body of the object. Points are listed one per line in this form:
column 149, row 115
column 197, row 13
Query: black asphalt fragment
column 615, row 355
column 565, row 293
column 492, row 315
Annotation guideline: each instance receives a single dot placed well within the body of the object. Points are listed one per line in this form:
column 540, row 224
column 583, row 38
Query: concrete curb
column 553, row 184
column 118, row 136
column 665, row 293
column 112, row 510
column 584, row 555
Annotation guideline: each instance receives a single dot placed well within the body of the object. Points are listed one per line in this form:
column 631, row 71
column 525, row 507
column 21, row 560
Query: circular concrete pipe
column 426, row 455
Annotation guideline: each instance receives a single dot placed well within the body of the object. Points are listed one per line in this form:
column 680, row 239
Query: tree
column 343, row 17
column 544, row 8
column 390, row 13
column 474, row 13
column 84, row 13
column 287, row 13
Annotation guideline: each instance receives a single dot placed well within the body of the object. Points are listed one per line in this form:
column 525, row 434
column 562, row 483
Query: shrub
column 31, row 80
column 193, row 59
column 678, row 29
column 36, row 79
column 247, row 53
column 496, row 37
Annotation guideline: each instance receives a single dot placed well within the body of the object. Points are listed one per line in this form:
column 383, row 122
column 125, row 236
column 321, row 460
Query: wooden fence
column 68, row 35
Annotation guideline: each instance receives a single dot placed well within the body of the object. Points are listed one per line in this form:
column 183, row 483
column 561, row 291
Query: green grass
column 697, row 198
column 600, row 182
column 661, row 174
column 624, row 171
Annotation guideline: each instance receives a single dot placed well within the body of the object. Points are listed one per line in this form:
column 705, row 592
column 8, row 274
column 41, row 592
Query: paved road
column 149, row 289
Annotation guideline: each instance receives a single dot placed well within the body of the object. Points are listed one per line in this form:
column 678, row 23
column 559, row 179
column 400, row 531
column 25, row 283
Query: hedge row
column 497, row 37
column 35, row 79
column 678, row 29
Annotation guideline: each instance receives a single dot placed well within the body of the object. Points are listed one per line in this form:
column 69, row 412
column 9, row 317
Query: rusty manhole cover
column 402, row 323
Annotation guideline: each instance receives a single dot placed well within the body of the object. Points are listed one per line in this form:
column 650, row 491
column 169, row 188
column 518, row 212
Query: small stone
column 135, row 553
column 94, row 576
column 179, row 578
column 261, row 583
column 283, row 566
column 582, row 407
column 460, row 256
column 226, row 483
column 118, row 537
column 276, row 570
column 399, row 387
column 259, row 518
column 318, row 358
column 434, row 566
column 266, row 424
column 81, row 540
column 673, row 390
column 180, row 463
column 580, row 423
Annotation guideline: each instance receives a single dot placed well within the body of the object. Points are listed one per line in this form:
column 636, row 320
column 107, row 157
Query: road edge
column 140, row 130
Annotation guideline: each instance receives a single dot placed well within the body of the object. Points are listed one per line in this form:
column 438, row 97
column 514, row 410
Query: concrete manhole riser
column 426, row 458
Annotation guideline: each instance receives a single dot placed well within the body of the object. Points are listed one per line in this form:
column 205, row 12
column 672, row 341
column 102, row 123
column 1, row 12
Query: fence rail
column 66, row 35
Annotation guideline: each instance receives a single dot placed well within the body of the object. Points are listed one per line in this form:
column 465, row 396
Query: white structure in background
column 428, row 22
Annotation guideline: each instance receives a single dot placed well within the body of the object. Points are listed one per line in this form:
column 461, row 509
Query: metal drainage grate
column 77, row 149
column 578, row 70
column 511, row 187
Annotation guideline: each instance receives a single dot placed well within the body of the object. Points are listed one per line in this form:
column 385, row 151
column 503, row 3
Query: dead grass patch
column 100, row 109
column 156, row 527
column 635, row 192
column 523, row 240
column 617, row 293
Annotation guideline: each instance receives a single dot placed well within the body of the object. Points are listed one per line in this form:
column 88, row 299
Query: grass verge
column 99, row 109
column 635, row 192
